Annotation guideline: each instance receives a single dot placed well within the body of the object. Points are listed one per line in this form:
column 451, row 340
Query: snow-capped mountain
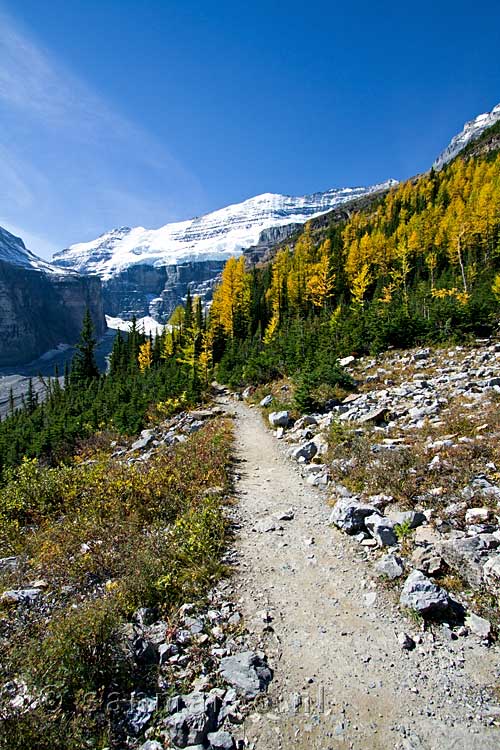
column 14, row 251
column 213, row 237
column 471, row 131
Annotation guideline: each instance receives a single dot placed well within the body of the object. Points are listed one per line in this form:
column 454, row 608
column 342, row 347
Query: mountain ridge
column 215, row 236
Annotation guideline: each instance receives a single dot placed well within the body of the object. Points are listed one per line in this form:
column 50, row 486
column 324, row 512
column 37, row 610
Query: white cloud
column 70, row 166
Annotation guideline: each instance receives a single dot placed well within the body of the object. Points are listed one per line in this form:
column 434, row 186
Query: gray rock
column 221, row 741
column 426, row 560
column 423, row 596
column 466, row 556
column 349, row 515
column 279, row 418
column 381, row 529
column 266, row 401
column 20, row 596
column 247, row 672
column 141, row 710
column 191, row 725
column 411, row 518
column 478, row 625
column 491, row 572
column 144, row 440
column 305, row 452
column 391, row 566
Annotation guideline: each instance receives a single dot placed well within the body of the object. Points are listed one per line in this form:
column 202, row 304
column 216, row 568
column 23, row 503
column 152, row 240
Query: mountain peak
column 14, row 251
column 470, row 132
column 216, row 236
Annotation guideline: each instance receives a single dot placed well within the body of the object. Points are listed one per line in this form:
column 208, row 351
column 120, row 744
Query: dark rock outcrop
column 40, row 306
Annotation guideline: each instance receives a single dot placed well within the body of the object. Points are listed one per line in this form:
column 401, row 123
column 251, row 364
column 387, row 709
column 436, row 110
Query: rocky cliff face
column 155, row 291
column 41, row 306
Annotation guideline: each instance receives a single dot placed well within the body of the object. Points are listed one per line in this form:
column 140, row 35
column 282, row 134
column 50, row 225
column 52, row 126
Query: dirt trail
column 332, row 636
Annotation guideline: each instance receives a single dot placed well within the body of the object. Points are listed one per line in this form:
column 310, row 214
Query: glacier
column 216, row 236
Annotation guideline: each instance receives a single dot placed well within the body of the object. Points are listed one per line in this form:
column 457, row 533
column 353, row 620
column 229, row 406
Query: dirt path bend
column 340, row 676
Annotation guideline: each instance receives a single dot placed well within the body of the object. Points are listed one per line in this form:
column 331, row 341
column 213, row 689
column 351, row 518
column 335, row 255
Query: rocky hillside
column 41, row 306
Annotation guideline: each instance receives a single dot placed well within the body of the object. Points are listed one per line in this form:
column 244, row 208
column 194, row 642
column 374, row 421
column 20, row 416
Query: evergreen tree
column 84, row 366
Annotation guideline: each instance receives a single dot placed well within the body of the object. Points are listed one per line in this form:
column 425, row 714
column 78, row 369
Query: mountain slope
column 213, row 237
column 41, row 306
column 472, row 130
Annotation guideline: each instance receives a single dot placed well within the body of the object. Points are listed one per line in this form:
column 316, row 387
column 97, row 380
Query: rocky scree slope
column 41, row 306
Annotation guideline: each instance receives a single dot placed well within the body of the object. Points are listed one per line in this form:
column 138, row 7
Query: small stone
column 406, row 642
column 391, row 566
column 266, row 401
column 478, row 625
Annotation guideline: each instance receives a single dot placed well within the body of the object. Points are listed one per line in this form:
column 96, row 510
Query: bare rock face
column 41, row 306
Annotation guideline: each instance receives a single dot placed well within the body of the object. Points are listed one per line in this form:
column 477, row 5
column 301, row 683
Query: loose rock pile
column 400, row 395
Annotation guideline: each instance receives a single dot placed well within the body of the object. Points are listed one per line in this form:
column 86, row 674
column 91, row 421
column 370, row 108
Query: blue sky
column 117, row 112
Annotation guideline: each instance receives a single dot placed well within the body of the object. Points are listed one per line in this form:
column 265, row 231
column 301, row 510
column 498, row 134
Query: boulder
column 410, row 518
column 423, row 596
column 466, row 556
column 381, row 529
column 391, row 566
column 192, row 724
column 349, row 515
column 247, row 672
column 305, row 452
column 279, row 418
column 142, row 707
column 144, row 440
column 151, row 745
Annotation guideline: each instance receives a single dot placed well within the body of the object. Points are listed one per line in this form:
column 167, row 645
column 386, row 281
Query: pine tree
column 84, row 366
